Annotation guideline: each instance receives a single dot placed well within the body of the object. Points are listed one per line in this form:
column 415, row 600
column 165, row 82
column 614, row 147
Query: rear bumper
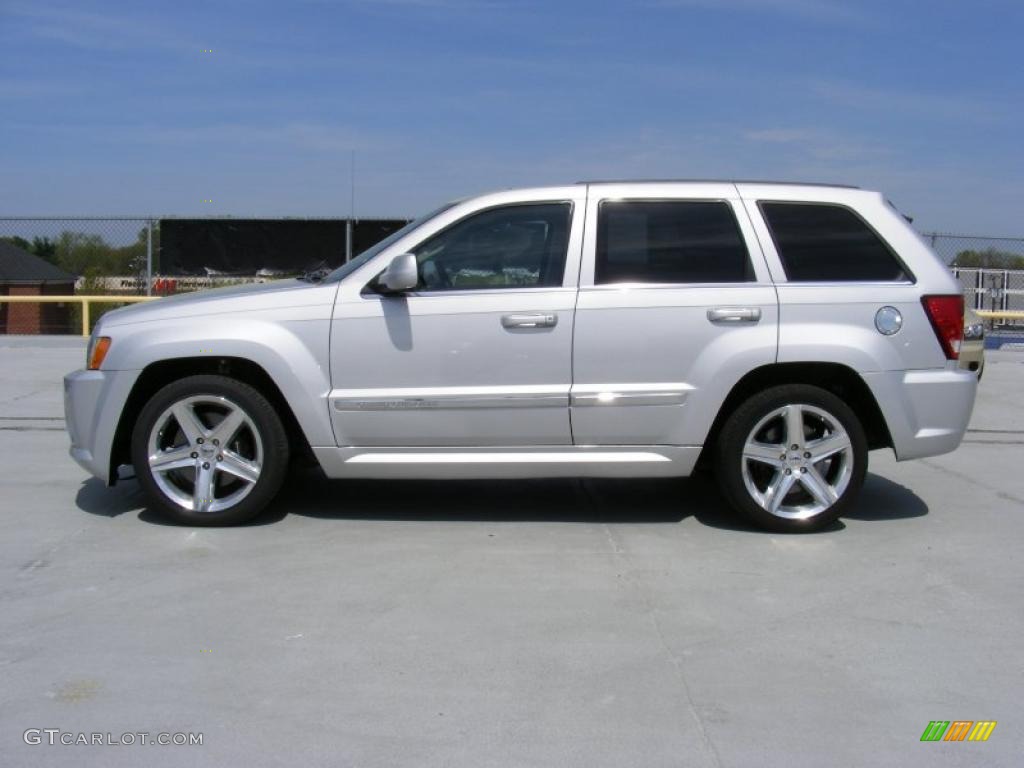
column 93, row 401
column 972, row 356
column 927, row 412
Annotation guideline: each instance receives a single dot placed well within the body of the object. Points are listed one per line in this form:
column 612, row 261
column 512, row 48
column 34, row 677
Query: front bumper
column 93, row 402
column 927, row 412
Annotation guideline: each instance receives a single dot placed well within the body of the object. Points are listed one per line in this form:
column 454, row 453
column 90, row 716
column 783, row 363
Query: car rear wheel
column 792, row 458
column 209, row 450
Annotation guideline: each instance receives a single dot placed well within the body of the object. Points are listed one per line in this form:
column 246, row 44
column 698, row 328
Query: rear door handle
column 530, row 320
column 734, row 314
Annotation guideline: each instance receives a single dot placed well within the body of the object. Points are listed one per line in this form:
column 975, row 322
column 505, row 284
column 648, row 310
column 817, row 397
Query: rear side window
column 669, row 242
column 829, row 243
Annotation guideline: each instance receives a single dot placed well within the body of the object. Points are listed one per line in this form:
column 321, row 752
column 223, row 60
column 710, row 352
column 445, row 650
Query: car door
column 479, row 354
column 675, row 306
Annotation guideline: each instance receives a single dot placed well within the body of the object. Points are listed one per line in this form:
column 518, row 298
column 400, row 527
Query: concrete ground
column 554, row 623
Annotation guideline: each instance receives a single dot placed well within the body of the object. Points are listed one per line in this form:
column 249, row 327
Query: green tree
column 135, row 254
column 990, row 258
column 20, row 242
column 45, row 248
column 78, row 251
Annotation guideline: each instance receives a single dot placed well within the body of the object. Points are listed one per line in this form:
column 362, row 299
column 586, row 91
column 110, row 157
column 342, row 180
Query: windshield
column 349, row 267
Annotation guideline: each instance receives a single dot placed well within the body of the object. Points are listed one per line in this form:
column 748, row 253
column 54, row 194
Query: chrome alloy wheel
column 205, row 453
column 797, row 461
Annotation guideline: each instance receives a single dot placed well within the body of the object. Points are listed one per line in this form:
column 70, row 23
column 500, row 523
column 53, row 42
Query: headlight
column 98, row 348
column 974, row 331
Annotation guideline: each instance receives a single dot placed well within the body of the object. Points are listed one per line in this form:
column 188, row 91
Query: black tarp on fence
column 276, row 246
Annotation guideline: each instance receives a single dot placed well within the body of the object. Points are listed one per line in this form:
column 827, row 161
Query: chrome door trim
column 508, row 457
column 638, row 286
column 518, row 290
column 585, row 395
column 449, row 398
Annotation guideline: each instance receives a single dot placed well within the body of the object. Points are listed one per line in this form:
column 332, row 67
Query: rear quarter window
column 829, row 243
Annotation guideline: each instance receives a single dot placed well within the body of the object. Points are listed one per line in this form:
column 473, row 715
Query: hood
column 236, row 298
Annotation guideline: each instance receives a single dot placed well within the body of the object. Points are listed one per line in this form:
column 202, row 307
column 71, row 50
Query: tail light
column 946, row 314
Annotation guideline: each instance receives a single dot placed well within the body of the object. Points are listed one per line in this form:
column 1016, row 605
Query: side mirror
column 402, row 274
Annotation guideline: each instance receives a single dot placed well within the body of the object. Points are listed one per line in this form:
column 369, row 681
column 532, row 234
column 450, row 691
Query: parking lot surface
column 531, row 623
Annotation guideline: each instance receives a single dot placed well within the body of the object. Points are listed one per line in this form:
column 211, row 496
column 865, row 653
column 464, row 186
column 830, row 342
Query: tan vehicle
column 972, row 348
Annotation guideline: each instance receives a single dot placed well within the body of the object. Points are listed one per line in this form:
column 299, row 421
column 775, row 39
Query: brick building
column 24, row 274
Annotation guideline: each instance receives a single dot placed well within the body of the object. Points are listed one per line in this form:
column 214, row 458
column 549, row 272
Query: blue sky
column 114, row 107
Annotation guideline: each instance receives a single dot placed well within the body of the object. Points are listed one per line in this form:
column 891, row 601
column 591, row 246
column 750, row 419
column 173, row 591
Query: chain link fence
column 86, row 249
column 978, row 251
column 129, row 254
column 990, row 271
column 154, row 255
column 44, row 256
column 998, row 290
column 140, row 255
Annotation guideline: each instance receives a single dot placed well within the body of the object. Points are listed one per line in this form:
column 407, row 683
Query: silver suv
column 775, row 332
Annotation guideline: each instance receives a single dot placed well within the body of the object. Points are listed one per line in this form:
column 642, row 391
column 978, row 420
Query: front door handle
column 530, row 320
column 734, row 314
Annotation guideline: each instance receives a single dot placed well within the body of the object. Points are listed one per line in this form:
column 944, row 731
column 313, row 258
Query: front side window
column 515, row 246
column 829, row 243
column 670, row 242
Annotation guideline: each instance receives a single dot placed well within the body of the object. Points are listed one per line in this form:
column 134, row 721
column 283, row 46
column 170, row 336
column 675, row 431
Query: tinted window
column 517, row 246
column 828, row 243
column 670, row 242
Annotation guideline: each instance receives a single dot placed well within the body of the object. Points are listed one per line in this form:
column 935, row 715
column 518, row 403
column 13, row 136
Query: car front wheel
column 792, row 458
column 209, row 450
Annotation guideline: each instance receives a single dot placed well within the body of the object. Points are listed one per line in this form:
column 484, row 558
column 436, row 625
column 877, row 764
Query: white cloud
column 20, row 88
column 455, row 5
column 818, row 145
column 916, row 102
column 780, row 135
column 831, row 11
column 321, row 138
column 96, row 31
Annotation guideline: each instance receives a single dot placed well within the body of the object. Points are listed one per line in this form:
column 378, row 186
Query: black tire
column 263, row 428
column 848, row 467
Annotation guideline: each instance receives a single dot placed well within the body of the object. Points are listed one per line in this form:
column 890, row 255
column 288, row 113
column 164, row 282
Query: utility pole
column 352, row 206
column 149, row 257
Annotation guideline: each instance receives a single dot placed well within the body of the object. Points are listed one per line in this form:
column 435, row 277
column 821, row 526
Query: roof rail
column 716, row 181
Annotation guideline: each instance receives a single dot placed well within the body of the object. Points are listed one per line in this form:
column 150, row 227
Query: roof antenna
column 352, row 179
